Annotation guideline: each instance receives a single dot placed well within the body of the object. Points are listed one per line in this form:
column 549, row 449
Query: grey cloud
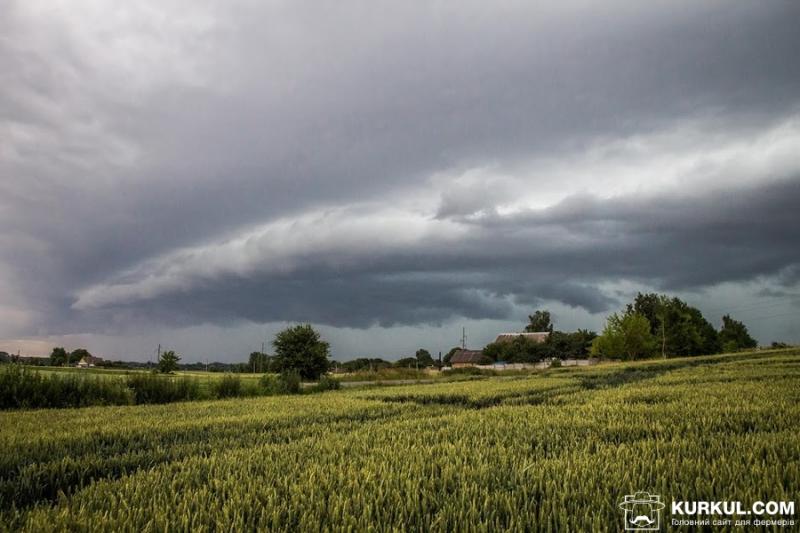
column 673, row 242
column 683, row 240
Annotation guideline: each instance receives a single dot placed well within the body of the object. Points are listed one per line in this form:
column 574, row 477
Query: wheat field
column 554, row 451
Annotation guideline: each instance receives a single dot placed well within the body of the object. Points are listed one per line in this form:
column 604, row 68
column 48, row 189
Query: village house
column 88, row 361
column 466, row 358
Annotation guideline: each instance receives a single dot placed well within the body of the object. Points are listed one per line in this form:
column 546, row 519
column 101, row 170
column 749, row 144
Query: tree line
column 652, row 324
column 655, row 324
column 298, row 349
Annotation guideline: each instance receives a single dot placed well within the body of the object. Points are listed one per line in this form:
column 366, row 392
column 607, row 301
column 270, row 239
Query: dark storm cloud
column 674, row 242
column 122, row 144
column 681, row 240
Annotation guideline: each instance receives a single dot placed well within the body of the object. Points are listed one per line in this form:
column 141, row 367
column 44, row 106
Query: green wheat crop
column 548, row 452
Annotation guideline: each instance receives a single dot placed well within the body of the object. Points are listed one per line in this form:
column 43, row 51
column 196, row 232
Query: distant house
column 537, row 336
column 89, row 361
column 464, row 358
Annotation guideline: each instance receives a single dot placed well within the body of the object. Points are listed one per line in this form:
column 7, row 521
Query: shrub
column 269, row 383
column 555, row 363
column 730, row 347
column 151, row 388
column 326, row 383
column 21, row 387
column 290, row 382
column 229, row 386
column 285, row 383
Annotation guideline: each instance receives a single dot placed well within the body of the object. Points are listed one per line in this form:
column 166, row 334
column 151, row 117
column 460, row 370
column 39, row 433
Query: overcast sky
column 200, row 174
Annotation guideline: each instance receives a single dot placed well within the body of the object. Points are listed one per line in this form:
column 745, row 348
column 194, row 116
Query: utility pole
column 463, row 338
column 158, row 357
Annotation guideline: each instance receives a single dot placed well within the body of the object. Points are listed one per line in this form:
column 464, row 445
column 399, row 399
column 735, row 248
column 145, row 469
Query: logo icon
column 642, row 511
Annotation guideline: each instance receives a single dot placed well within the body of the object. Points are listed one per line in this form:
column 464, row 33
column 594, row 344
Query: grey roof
column 538, row 336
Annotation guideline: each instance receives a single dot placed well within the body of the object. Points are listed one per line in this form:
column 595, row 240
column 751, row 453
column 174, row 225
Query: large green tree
column 407, row 362
column 573, row 344
column 734, row 335
column 678, row 328
column 424, row 358
column 627, row 336
column 168, row 362
column 76, row 355
column 539, row 321
column 300, row 348
column 59, row 356
column 687, row 332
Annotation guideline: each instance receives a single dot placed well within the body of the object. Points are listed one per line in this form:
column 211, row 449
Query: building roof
column 467, row 356
column 538, row 336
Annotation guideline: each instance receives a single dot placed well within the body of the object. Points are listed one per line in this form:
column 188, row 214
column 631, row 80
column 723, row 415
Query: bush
column 269, row 383
column 326, row 383
column 285, row 383
column 555, row 363
column 151, row 388
column 229, row 386
column 730, row 347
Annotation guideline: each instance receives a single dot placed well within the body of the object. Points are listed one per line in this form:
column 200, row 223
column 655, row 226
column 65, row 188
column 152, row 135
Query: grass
column 206, row 379
column 33, row 387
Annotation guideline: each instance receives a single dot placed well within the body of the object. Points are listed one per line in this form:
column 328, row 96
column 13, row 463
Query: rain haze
column 201, row 174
